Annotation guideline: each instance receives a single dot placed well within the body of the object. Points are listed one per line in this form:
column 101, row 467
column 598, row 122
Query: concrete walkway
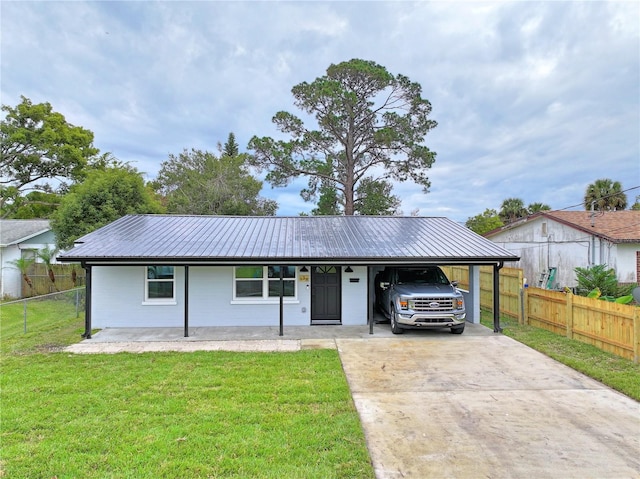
column 438, row 405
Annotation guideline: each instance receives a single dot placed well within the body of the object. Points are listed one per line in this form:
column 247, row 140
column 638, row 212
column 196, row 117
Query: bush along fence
column 611, row 327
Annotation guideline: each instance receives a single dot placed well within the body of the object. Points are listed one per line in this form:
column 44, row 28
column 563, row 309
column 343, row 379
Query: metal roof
column 181, row 239
column 16, row 231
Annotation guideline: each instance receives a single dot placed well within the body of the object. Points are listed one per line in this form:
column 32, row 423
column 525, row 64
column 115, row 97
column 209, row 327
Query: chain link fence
column 42, row 308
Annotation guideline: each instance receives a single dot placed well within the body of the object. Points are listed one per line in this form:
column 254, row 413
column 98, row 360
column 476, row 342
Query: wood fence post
column 569, row 315
column 636, row 335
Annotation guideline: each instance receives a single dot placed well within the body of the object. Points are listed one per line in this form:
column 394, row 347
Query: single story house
column 20, row 239
column 551, row 244
column 174, row 270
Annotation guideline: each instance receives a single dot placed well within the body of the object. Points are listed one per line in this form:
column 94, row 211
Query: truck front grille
column 425, row 305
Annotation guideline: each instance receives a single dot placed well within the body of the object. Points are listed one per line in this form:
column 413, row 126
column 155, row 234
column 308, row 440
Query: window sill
column 170, row 302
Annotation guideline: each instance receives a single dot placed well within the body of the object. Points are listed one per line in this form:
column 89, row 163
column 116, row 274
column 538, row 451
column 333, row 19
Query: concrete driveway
column 436, row 405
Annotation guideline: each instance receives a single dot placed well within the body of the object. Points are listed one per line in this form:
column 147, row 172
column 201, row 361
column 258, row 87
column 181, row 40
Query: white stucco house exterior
column 181, row 271
column 565, row 240
column 20, row 239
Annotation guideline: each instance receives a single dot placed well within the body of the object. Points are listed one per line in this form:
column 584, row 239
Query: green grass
column 169, row 415
column 618, row 373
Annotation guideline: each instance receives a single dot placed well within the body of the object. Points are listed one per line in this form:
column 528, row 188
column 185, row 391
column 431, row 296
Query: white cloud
column 533, row 99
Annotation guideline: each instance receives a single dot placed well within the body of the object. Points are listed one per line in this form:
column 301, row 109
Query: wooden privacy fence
column 41, row 283
column 609, row 326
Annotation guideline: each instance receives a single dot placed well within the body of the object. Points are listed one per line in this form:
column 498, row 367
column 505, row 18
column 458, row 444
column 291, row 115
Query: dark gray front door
column 325, row 295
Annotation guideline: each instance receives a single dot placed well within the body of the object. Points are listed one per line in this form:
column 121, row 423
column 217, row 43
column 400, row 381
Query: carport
column 352, row 248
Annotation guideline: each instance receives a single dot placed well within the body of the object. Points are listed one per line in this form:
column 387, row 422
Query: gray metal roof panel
column 270, row 238
column 15, row 231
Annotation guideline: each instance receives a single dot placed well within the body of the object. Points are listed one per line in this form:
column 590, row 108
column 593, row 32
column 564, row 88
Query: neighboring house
column 20, row 239
column 565, row 240
column 160, row 270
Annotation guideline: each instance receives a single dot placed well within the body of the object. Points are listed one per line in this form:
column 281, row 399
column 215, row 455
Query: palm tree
column 605, row 195
column 511, row 210
column 47, row 255
column 23, row 264
column 538, row 207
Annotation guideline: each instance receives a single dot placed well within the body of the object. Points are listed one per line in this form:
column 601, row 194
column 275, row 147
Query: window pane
column 248, row 271
column 249, row 289
column 160, row 272
column 289, row 288
column 287, row 271
column 160, row 289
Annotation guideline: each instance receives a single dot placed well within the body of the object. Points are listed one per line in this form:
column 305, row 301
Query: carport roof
column 177, row 239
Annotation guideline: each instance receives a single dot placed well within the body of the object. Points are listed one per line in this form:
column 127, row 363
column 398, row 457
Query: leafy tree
column 511, row 210
column 328, row 203
column 605, row 195
column 105, row 195
column 636, row 205
column 373, row 197
column 368, row 121
column 37, row 144
column 198, row 182
column 487, row 221
column 36, row 204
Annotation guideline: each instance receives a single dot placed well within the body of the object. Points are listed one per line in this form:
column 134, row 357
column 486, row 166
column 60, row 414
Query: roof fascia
column 26, row 238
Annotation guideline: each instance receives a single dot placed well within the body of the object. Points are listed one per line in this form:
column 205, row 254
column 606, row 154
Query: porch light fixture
column 348, row 270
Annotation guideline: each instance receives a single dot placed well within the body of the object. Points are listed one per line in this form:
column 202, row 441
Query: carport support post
column 186, row 301
column 281, row 300
column 87, row 302
column 496, row 297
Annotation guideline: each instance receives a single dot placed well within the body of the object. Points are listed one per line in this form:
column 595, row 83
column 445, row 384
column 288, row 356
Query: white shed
column 560, row 241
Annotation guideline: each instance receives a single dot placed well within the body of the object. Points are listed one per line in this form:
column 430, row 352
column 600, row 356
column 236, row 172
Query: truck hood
column 426, row 289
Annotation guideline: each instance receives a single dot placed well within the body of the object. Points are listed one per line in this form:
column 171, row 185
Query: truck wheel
column 457, row 330
column 395, row 329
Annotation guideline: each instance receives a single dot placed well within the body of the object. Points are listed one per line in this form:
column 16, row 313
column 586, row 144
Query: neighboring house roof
column 273, row 239
column 614, row 226
column 17, row 231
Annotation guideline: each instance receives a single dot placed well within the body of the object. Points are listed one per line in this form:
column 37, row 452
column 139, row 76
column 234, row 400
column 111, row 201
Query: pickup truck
column 419, row 297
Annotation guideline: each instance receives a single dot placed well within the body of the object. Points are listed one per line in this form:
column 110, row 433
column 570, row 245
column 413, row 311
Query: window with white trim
column 160, row 283
column 263, row 282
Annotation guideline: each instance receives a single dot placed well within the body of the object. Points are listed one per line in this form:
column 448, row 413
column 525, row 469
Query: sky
column 533, row 100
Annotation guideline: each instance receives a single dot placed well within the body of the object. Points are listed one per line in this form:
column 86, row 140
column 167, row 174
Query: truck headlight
column 404, row 304
column 459, row 303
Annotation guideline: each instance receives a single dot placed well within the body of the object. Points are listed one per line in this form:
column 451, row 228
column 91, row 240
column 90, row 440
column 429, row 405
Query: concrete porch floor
column 247, row 338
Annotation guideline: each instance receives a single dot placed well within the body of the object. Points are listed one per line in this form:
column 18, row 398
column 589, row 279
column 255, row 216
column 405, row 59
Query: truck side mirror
column 454, row 284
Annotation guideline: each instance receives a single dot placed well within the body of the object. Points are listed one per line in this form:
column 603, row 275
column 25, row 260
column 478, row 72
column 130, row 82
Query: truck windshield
column 424, row 276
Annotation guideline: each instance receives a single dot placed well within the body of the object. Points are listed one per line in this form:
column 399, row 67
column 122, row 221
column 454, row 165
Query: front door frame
column 319, row 312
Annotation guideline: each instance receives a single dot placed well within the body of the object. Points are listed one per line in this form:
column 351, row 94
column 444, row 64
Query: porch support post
column 496, row 297
column 370, row 299
column 281, row 301
column 87, row 302
column 186, row 301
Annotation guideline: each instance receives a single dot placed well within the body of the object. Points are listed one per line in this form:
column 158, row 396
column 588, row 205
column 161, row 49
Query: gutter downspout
column 496, row 297
column 87, row 301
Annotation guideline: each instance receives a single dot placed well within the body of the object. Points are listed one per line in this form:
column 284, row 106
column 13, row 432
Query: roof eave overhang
column 132, row 261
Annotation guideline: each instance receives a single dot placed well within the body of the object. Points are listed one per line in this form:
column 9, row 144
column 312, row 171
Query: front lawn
column 155, row 415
